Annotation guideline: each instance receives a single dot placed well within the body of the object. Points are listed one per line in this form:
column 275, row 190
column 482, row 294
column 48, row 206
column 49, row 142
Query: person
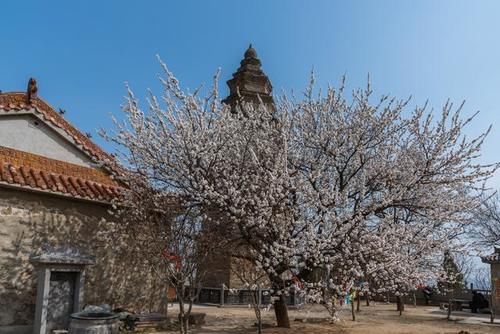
column 427, row 290
column 478, row 301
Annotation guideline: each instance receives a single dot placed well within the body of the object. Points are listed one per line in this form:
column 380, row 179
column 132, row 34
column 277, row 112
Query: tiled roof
column 492, row 258
column 35, row 172
column 17, row 101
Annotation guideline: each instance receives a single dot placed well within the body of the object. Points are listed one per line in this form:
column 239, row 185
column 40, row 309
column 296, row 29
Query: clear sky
column 82, row 52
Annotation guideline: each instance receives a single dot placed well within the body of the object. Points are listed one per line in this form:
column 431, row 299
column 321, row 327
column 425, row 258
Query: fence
column 418, row 297
column 243, row 297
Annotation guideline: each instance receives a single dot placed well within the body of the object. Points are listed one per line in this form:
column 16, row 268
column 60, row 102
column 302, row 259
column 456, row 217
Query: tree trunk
column 450, row 304
column 448, row 315
column 358, row 302
column 183, row 315
column 352, row 311
column 400, row 304
column 165, row 307
column 281, row 312
column 256, row 296
column 184, row 325
column 367, row 300
column 492, row 308
column 280, row 307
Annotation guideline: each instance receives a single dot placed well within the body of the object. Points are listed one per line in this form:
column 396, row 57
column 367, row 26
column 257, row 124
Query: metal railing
column 242, row 297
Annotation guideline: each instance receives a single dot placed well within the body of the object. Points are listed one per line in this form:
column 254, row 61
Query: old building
column 55, row 191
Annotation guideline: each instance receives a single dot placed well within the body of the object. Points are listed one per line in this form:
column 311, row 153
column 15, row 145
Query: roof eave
column 52, row 193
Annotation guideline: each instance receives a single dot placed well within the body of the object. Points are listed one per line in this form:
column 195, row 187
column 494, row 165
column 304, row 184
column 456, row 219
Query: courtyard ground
column 375, row 319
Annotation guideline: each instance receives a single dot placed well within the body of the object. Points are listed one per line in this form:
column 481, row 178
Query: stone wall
column 30, row 220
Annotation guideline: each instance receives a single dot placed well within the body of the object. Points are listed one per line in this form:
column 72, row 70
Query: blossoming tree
column 387, row 192
column 336, row 190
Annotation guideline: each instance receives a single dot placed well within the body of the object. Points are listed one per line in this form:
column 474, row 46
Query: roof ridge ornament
column 250, row 52
column 32, row 90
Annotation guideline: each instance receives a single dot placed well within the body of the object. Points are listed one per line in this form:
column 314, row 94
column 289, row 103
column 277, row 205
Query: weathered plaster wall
column 29, row 220
column 26, row 133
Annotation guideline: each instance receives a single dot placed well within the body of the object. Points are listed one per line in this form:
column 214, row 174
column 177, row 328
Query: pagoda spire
column 249, row 82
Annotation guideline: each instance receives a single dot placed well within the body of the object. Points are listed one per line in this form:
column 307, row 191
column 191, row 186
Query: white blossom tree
column 387, row 194
column 357, row 189
column 233, row 166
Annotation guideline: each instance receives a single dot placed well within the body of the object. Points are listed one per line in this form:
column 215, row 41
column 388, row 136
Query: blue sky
column 82, row 52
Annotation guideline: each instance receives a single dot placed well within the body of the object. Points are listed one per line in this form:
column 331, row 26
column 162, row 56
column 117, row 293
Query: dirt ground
column 375, row 319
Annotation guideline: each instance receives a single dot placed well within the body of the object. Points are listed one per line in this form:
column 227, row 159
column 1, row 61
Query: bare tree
column 253, row 280
column 481, row 277
column 173, row 239
column 466, row 266
column 487, row 222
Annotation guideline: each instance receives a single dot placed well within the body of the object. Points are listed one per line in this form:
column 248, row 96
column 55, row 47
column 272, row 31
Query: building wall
column 29, row 220
column 26, row 133
column 217, row 271
column 495, row 282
